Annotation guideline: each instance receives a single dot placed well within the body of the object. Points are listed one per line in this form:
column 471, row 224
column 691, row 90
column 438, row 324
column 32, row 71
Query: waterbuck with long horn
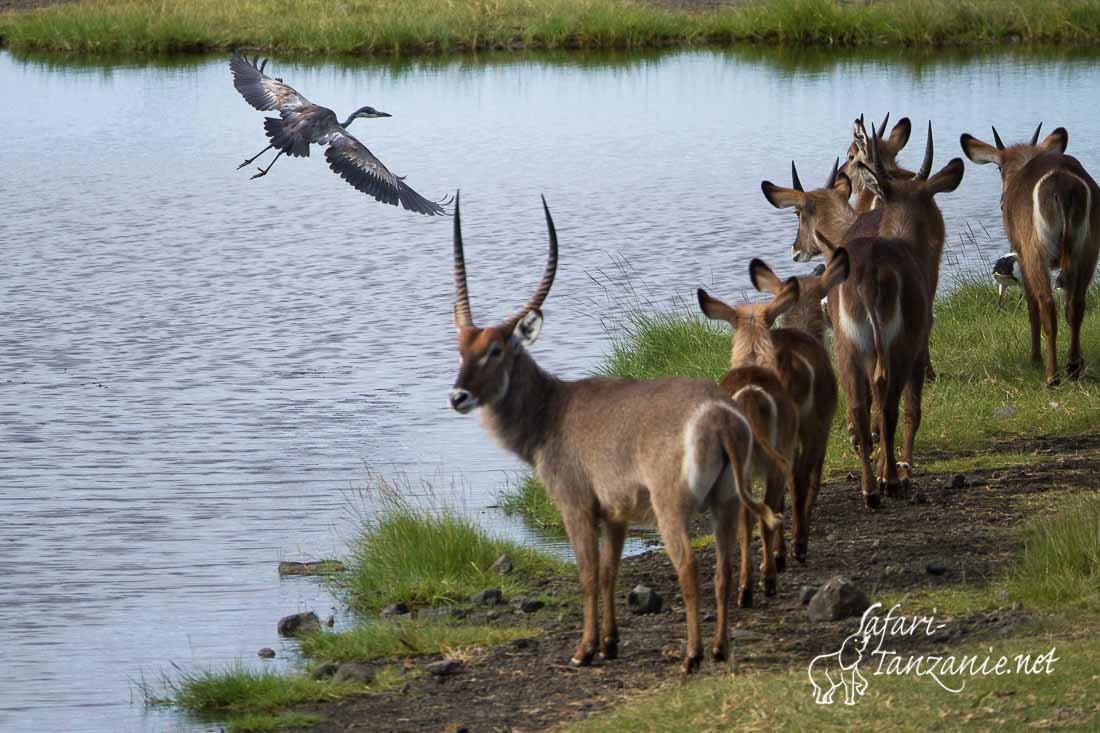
column 888, row 147
column 1050, row 212
column 611, row 452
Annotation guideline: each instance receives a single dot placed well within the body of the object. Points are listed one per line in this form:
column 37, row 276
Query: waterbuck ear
column 715, row 309
column 1056, row 141
column 870, row 180
column 783, row 302
column 979, row 152
column 781, row 198
column 843, row 185
column 948, row 179
column 763, row 279
column 528, row 328
column 899, row 136
column 837, row 270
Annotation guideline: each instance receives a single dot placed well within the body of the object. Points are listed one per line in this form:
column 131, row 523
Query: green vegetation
column 373, row 640
column 418, row 26
column 528, row 498
column 250, row 700
column 431, row 556
column 1058, row 571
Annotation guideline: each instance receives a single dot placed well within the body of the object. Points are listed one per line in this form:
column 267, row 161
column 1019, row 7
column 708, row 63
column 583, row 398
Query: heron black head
column 369, row 113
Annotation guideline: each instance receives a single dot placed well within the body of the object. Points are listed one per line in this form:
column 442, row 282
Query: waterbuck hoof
column 691, row 663
column 929, row 374
column 770, row 586
column 610, row 648
column 718, row 654
column 1075, row 369
column 744, row 597
column 800, row 551
column 582, row 659
column 893, row 489
column 873, row 500
column 780, row 563
column 1054, row 381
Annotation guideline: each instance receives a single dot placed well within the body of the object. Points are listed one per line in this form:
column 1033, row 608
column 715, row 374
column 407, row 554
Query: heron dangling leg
column 257, row 155
column 263, row 171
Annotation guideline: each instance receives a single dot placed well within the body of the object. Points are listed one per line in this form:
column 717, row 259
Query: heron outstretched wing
column 358, row 166
column 259, row 89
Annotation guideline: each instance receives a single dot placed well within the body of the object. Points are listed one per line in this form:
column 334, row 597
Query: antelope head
column 889, row 147
column 916, row 193
column 1011, row 159
column 807, row 313
column 825, row 209
column 752, row 322
column 487, row 356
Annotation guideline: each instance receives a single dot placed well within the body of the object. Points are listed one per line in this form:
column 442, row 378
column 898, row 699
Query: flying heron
column 302, row 123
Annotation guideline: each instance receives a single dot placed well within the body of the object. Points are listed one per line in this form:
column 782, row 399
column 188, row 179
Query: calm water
column 198, row 372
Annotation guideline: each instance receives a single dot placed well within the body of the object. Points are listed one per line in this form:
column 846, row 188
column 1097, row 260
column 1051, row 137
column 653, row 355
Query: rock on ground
column 502, row 566
column 354, row 672
column 838, row 598
column 644, row 599
column 299, row 623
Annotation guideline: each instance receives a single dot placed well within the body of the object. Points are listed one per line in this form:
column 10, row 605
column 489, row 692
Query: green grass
column 426, row 557
column 1058, row 571
column 373, row 640
column 528, row 498
column 251, row 700
column 412, row 26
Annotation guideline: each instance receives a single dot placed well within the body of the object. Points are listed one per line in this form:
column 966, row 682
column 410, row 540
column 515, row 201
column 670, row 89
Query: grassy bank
column 987, row 398
column 1057, row 574
column 417, row 26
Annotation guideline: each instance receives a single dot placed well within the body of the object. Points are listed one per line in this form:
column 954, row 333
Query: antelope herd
column 613, row 452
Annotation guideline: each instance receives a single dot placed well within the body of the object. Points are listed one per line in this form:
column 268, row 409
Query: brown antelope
column 806, row 371
column 754, row 385
column 611, row 451
column 1050, row 216
column 888, row 148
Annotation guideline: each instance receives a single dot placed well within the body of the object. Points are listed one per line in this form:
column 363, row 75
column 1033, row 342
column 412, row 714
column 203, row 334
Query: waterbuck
column 754, row 385
column 1048, row 203
column 888, row 148
column 611, row 452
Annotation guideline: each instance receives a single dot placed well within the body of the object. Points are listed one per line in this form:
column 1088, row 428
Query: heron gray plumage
column 302, row 123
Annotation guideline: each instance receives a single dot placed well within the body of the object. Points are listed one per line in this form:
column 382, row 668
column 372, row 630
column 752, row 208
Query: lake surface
column 200, row 374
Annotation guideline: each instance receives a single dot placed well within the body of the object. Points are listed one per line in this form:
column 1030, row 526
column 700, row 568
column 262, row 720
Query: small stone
column 444, row 668
column 806, row 594
column 492, row 616
column 644, row 599
column 394, row 609
column 958, row 481
column 266, row 653
column 530, row 605
column 487, row 597
column 354, row 672
column 317, row 567
column 324, row 671
column 524, row 643
column 299, row 623
column 502, row 566
column 936, row 567
column 838, row 598
column 1004, row 411
column 977, row 482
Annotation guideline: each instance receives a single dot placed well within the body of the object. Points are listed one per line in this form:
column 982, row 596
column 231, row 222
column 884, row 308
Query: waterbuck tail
column 744, row 493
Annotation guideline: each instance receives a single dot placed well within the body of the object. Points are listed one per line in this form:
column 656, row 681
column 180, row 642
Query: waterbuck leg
column 745, row 578
column 1076, row 293
column 1033, row 319
column 673, row 524
column 725, row 530
column 611, row 552
column 914, row 391
column 263, row 171
column 257, row 155
column 580, row 525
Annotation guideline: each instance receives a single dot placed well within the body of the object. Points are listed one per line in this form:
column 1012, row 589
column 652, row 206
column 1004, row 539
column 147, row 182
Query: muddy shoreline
column 528, row 686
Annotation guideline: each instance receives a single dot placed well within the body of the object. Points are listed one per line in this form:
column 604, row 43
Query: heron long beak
column 381, row 114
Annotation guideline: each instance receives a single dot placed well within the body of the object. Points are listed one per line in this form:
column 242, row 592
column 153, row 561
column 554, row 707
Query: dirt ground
column 528, row 686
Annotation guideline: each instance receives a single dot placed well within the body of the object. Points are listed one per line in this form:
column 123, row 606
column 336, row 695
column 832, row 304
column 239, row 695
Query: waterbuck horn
column 794, row 178
column 926, row 166
column 463, row 318
column 997, row 140
column 876, row 160
column 1035, row 137
column 831, row 180
column 535, row 303
column 882, row 127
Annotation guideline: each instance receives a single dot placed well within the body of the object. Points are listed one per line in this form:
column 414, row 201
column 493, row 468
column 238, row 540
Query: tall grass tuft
column 528, row 498
column 1061, row 560
column 428, row 556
